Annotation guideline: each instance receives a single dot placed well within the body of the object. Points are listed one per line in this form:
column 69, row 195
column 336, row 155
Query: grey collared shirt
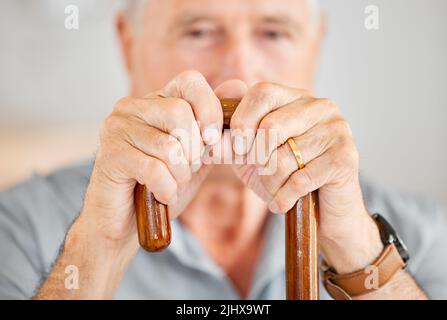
column 35, row 215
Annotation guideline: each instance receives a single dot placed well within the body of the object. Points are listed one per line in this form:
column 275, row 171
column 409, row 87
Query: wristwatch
column 393, row 258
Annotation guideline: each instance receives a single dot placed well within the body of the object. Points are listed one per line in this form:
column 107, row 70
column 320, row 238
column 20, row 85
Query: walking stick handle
column 154, row 229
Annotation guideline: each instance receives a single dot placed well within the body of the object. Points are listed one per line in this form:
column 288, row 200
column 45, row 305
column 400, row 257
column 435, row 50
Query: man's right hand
column 156, row 141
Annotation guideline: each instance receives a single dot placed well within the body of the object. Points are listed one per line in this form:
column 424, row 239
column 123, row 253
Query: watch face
column 402, row 248
column 389, row 236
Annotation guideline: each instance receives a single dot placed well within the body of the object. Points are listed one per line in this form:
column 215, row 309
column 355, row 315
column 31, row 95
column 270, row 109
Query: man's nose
column 240, row 61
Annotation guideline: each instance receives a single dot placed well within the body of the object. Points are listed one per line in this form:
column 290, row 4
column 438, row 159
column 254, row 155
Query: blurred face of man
column 250, row 40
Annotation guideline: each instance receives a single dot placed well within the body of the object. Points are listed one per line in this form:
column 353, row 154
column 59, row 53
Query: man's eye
column 274, row 35
column 199, row 33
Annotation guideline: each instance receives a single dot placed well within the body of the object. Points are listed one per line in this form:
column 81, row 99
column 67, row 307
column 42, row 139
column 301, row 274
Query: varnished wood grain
column 302, row 249
column 228, row 108
column 154, row 229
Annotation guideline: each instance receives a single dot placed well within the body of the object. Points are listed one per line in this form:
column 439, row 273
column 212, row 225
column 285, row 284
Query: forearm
column 88, row 267
column 401, row 286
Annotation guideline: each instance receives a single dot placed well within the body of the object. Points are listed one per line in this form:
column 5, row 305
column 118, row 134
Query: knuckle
column 262, row 91
column 124, row 103
column 179, row 108
column 329, row 104
column 264, row 86
column 190, row 76
column 352, row 157
column 188, row 81
column 269, row 124
column 346, row 155
column 165, row 195
column 110, row 126
column 347, row 145
column 343, row 127
column 283, row 206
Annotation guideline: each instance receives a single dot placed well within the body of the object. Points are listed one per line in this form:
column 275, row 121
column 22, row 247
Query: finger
column 282, row 163
column 151, row 172
column 293, row 120
column 231, row 89
column 221, row 152
column 173, row 116
column 193, row 87
column 257, row 103
column 310, row 178
column 160, row 145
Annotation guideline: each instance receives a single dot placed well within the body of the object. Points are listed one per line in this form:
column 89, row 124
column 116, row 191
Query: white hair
column 134, row 9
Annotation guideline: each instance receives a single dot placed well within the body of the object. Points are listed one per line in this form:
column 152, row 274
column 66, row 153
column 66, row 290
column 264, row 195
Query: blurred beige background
column 57, row 85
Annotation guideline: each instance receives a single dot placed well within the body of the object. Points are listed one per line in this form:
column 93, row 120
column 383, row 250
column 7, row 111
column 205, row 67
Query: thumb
column 231, row 89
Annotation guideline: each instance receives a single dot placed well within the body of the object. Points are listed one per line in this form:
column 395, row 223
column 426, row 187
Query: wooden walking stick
column 302, row 243
column 154, row 231
column 302, row 249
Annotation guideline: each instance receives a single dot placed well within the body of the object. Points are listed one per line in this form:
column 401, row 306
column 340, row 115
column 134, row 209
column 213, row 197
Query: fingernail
column 239, row 145
column 211, row 134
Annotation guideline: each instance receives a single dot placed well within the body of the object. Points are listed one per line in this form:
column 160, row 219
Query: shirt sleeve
column 431, row 272
column 20, row 266
column 34, row 218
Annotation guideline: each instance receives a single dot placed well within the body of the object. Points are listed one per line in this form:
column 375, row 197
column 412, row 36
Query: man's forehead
column 268, row 9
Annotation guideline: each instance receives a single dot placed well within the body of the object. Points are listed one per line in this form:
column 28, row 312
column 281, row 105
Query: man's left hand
column 349, row 239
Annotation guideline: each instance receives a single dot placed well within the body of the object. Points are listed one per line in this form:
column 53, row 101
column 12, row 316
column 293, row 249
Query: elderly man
column 72, row 234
